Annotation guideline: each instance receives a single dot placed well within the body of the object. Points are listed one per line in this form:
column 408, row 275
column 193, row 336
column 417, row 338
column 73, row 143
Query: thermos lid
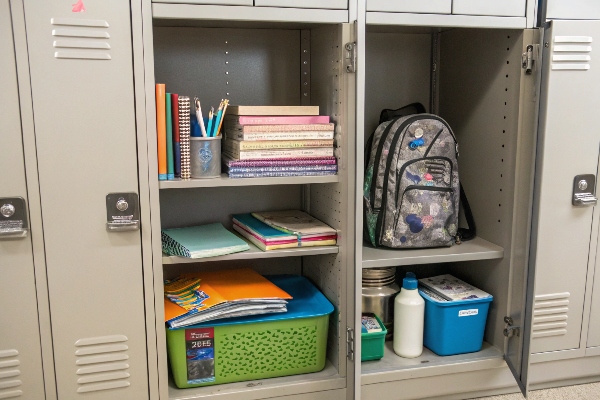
column 377, row 277
column 410, row 282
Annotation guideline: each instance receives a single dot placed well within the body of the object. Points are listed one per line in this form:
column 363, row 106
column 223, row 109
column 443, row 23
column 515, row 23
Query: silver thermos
column 379, row 289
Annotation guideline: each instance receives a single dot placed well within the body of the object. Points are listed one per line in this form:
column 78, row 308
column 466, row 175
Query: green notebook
column 201, row 241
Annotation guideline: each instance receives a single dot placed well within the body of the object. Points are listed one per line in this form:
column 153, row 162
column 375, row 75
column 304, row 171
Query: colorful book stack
column 171, row 116
column 284, row 229
column 277, row 141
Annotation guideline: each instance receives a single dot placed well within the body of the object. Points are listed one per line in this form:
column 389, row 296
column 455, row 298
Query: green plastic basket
column 255, row 347
column 372, row 344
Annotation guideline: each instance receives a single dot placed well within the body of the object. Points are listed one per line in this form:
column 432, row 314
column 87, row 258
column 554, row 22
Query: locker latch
column 584, row 189
column 122, row 212
column 510, row 330
column 13, row 218
column 350, row 57
column 350, row 343
column 528, row 58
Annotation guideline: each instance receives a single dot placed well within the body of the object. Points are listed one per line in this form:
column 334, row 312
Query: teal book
column 201, row 241
column 261, row 229
column 170, row 155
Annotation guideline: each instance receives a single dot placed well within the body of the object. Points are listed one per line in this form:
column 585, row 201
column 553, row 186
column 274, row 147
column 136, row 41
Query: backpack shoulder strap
column 469, row 233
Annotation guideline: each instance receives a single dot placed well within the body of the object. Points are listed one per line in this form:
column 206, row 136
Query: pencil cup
column 205, row 157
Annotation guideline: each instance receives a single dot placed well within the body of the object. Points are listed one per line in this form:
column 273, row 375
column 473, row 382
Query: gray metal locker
column 593, row 337
column 567, row 151
column 21, row 374
column 85, row 130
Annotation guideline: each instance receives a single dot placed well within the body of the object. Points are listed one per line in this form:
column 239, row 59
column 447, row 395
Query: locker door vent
column 102, row 363
column 80, row 38
column 550, row 314
column 9, row 384
column 571, row 53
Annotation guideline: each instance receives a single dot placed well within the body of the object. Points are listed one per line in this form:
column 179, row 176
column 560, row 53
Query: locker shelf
column 215, row 13
column 476, row 249
column 256, row 253
column 445, row 20
column 392, row 367
column 327, row 379
column 224, row 180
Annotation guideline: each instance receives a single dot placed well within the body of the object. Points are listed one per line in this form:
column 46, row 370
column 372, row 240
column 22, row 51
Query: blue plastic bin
column 454, row 327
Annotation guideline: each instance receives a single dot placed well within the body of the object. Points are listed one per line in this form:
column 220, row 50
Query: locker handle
column 122, row 212
column 13, row 218
column 584, row 190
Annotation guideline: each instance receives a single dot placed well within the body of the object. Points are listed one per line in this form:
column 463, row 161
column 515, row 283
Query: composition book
column 201, row 241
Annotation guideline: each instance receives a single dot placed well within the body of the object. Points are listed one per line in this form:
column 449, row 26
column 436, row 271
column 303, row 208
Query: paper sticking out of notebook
column 295, row 222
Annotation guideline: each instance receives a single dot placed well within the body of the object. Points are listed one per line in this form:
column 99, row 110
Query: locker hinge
column 350, row 57
column 529, row 57
column 510, row 330
column 350, row 343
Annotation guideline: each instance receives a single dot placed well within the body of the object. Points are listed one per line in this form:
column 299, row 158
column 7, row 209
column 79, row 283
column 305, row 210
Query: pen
column 199, row 116
column 210, row 121
column 218, row 119
column 225, row 104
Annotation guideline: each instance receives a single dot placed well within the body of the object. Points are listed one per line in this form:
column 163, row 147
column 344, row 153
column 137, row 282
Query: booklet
column 452, row 289
column 201, row 241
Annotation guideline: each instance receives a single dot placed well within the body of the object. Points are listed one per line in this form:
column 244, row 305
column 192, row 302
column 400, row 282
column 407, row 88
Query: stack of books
column 277, row 141
column 284, row 229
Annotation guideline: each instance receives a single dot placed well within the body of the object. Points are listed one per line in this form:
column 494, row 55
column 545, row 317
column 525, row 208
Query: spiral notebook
column 201, row 241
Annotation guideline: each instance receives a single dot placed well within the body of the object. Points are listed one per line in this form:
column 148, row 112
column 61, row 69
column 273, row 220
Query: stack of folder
column 205, row 296
column 278, row 141
column 284, row 229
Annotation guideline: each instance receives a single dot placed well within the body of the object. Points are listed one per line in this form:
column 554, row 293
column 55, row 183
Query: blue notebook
column 201, row 241
column 261, row 229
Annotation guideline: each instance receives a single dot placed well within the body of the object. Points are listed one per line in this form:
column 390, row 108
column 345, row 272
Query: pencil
column 218, row 119
column 210, row 121
column 199, row 116
column 226, row 103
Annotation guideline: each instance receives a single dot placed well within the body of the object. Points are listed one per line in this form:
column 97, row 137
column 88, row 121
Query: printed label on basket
column 468, row 313
column 200, row 355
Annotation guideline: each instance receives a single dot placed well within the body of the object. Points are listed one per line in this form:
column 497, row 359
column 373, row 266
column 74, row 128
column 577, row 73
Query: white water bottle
column 409, row 313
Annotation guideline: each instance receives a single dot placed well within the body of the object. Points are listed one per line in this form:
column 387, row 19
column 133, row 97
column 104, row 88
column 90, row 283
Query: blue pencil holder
column 205, row 157
column 454, row 327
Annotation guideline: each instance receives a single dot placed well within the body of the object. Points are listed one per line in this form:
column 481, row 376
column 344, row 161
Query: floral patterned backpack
column 412, row 190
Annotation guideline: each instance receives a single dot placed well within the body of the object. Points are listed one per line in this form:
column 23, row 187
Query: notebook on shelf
column 273, row 110
column 225, row 294
column 268, row 238
column 295, row 222
column 201, row 241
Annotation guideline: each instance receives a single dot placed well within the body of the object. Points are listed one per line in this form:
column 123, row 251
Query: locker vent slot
column 571, row 53
column 550, row 315
column 9, row 373
column 69, row 34
column 101, row 363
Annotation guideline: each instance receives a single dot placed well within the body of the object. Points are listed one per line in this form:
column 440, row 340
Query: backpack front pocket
column 426, row 217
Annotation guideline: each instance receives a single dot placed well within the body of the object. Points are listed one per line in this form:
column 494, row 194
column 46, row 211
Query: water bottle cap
column 410, row 282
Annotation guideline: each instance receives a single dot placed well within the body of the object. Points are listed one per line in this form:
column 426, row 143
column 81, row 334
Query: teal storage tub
column 256, row 347
column 372, row 344
column 454, row 327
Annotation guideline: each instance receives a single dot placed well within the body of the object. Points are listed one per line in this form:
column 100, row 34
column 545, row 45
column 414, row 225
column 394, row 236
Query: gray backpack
column 411, row 189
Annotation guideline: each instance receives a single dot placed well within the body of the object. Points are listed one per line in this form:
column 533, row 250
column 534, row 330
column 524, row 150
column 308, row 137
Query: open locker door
column 349, row 86
column 520, row 307
column 20, row 349
column 565, row 184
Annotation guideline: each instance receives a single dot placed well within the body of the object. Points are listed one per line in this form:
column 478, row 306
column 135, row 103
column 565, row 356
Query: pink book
column 277, row 120
column 271, row 242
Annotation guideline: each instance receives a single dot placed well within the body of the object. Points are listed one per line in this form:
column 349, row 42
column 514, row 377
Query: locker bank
column 82, row 297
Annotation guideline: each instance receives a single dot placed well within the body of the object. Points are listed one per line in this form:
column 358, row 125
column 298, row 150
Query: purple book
column 279, row 174
column 279, row 162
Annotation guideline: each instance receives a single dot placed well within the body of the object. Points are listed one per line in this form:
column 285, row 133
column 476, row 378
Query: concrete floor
column 578, row 392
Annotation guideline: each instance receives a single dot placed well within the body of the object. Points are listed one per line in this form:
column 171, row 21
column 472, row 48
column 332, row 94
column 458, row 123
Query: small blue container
column 454, row 327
